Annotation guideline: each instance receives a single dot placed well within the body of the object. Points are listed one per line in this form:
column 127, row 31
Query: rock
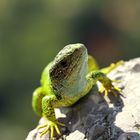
column 76, row 134
column 129, row 136
column 96, row 117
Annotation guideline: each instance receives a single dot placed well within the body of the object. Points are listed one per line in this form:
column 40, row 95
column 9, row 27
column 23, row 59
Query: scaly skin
column 69, row 77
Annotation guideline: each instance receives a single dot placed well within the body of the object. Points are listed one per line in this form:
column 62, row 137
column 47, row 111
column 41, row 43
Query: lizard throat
column 63, row 70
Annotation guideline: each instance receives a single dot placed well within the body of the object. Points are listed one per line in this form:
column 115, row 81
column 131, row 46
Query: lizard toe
column 51, row 127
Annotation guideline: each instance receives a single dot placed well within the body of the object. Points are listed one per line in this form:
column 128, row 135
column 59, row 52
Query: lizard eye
column 64, row 64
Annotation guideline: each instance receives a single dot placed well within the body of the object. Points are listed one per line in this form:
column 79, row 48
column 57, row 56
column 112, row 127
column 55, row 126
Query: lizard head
column 68, row 62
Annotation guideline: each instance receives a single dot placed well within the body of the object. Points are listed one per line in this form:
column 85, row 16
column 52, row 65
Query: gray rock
column 129, row 136
column 96, row 117
column 76, row 134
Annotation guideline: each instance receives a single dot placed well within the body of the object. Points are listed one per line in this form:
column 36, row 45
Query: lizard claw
column 107, row 89
column 51, row 126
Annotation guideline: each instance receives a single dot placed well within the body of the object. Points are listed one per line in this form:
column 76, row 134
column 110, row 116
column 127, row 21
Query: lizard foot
column 111, row 88
column 51, row 126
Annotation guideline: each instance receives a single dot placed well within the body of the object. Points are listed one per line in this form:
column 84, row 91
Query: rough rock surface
column 96, row 117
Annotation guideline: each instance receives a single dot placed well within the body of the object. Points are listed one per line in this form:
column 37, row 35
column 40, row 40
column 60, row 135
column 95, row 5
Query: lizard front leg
column 107, row 85
column 49, row 114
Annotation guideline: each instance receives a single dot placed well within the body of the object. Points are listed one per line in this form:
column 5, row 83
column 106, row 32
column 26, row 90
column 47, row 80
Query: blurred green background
column 33, row 31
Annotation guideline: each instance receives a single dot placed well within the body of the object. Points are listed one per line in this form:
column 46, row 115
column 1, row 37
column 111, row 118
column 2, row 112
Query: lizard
column 65, row 80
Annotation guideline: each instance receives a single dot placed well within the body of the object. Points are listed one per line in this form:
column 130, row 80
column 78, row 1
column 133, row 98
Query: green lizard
column 69, row 77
